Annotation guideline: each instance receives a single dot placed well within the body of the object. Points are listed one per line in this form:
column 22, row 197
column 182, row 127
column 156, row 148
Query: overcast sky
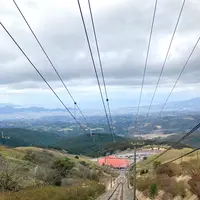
column 123, row 28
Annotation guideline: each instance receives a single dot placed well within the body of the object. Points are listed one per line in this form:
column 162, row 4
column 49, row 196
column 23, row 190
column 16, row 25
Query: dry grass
column 84, row 191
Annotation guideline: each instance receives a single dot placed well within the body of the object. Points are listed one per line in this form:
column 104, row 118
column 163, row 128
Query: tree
column 63, row 166
column 9, row 180
column 156, row 164
column 29, row 156
column 48, row 177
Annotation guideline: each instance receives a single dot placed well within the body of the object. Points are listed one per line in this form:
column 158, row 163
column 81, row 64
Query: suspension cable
column 94, row 66
column 100, row 62
column 167, row 54
column 48, row 58
column 43, row 78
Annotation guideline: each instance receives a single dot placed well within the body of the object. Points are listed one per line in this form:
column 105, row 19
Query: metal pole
column 181, row 157
column 134, row 185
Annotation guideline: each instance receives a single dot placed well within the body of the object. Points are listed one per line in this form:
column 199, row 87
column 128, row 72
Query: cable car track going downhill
column 118, row 192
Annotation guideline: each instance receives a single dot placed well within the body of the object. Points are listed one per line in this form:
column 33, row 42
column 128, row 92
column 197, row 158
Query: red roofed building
column 114, row 162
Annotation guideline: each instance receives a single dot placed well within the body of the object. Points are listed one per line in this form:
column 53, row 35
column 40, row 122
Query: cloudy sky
column 123, row 28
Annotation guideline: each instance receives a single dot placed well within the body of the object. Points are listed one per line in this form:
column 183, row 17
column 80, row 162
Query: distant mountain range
column 186, row 105
column 6, row 109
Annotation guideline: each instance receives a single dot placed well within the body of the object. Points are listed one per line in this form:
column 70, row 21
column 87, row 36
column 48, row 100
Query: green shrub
column 63, row 166
column 82, row 162
column 144, row 183
column 153, row 191
column 170, row 169
column 156, row 164
column 144, row 171
column 76, row 157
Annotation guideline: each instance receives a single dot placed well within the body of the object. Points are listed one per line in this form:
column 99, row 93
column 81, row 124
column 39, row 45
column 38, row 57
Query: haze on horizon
column 122, row 27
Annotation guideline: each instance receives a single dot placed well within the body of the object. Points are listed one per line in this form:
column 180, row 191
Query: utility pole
column 134, row 185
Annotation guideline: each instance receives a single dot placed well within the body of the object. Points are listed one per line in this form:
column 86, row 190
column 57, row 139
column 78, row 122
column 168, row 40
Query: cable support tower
column 22, row 51
column 167, row 54
column 181, row 156
column 146, row 61
column 94, row 66
column 100, row 63
column 51, row 63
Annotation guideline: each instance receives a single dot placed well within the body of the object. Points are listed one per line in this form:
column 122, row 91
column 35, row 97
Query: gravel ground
column 127, row 193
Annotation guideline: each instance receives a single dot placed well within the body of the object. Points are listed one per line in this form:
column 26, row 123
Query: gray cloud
column 123, row 30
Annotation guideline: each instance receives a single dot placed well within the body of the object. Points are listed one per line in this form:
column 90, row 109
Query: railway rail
column 118, row 192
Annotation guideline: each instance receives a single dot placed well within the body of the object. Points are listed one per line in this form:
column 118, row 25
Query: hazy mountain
column 186, row 105
column 15, row 137
column 11, row 109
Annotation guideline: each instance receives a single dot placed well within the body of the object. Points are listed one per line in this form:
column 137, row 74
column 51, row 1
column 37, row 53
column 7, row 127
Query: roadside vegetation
column 36, row 173
column 176, row 180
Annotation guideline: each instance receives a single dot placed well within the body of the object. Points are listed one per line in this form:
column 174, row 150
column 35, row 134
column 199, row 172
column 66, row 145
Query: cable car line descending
column 95, row 69
column 181, row 72
column 100, row 63
column 146, row 60
column 53, row 66
column 186, row 154
column 167, row 54
column 43, row 78
column 177, row 142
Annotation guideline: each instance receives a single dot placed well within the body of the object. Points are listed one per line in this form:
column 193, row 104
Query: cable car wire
column 42, row 77
column 146, row 60
column 177, row 142
column 94, row 66
column 181, row 72
column 48, row 58
column 100, row 63
column 166, row 56
column 186, row 154
column 179, row 76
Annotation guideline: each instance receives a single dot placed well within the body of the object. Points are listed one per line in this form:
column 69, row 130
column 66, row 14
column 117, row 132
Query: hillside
column 192, row 141
column 94, row 146
column 38, row 173
column 97, row 145
column 26, row 137
column 175, row 180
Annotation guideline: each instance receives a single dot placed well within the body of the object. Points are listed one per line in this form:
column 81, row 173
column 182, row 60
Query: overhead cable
column 100, row 63
column 181, row 72
column 181, row 156
column 166, row 56
column 146, row 60
column 177, row 142
column 43, row 78
column 50, row 61
column 95, row 69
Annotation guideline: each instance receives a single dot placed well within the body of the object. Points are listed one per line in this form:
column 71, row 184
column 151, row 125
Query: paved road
column 119, row 191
